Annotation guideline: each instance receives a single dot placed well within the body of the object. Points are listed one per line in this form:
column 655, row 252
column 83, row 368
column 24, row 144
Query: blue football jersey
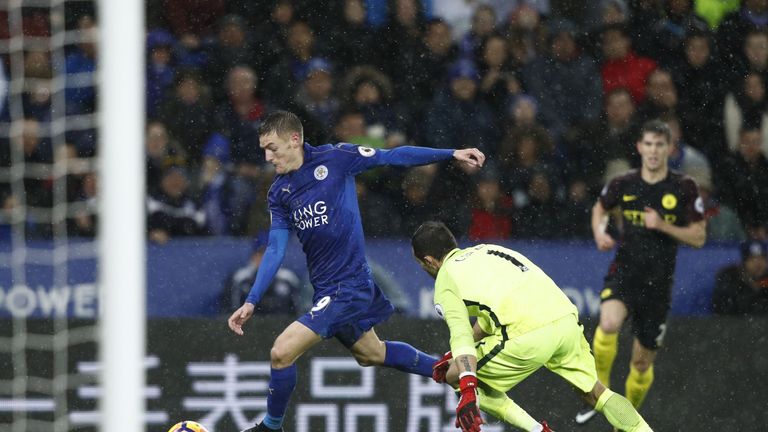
column 319, row 202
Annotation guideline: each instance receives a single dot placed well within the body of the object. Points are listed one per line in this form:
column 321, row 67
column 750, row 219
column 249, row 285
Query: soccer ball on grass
column 187, row 426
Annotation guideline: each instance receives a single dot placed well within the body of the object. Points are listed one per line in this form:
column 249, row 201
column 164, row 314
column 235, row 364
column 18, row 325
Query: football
column 187, row 426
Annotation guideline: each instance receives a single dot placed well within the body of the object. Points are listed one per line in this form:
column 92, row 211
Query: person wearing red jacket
column 622, row 67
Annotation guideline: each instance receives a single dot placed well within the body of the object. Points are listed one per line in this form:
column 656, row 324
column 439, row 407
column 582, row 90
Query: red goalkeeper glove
column 467, row 413
column 440, row 368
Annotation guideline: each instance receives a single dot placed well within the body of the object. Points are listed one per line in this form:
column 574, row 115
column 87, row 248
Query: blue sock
column 406, row 358
column 281, row 384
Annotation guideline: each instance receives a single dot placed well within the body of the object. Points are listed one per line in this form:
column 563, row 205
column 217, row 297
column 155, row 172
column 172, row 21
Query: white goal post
column 122, row 271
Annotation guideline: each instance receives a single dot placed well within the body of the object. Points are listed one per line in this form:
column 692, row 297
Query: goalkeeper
column 524, row 321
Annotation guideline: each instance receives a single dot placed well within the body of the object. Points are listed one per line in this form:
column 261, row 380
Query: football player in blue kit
column 314, row 195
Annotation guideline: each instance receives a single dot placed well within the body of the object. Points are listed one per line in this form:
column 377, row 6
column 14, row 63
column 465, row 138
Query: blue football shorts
column 347, row 312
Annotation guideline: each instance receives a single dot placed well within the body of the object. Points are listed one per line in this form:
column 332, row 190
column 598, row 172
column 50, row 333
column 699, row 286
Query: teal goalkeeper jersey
column 507, row 293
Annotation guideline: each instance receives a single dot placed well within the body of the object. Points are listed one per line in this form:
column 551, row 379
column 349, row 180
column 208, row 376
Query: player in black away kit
column 658, row 209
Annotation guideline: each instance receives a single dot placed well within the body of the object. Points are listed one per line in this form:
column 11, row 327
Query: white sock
column 537, row 428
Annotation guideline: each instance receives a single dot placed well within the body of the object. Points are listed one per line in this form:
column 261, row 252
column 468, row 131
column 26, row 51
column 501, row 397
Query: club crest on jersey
column 366, row 151
column 321, row 172
column 669, row 201
column 439, row 310
column 699, row 205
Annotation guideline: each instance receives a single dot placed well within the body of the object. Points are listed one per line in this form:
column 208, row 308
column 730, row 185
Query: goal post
column 122, row 244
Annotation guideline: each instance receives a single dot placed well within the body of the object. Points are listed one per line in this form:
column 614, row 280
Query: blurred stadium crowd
column 552, row 93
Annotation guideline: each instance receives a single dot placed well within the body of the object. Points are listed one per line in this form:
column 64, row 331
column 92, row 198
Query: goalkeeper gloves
column 440, row 368
column 467, row 413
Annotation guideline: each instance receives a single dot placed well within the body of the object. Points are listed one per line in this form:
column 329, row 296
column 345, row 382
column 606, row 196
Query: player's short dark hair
column 433, row 239
column 282, row 123
column 657, row 127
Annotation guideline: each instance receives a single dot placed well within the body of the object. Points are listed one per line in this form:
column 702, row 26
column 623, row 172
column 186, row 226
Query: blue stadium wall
column 185, row 277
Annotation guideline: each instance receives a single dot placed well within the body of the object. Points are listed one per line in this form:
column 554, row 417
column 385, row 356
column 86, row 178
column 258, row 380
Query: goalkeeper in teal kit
column 314, row 195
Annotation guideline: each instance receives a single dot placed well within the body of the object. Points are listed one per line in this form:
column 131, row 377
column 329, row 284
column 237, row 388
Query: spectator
column 723, row 224
column 37, row 101
column 609, row 13
column 85, row 206
column 613, row 12
column 282, row 78
column 187, row 113
column 171, row 210
column 713, row 11
column 162, row 152
column 80, row 68
column 527, row 152
column 498, row 84
column 576, row 212
column 402, row 36
column 271, row 33
column 670, row 31
column 192, row 18
column 281, row 297
column 742, row 289
column 662, row 97
column 161, row 69
column 238, row 120
column 36, row 98
column 746, row 106
column 418, row 70
column 240, row 116
column 540, row 216
column 527, row 34
column 351, row 42
column 458, row 14
column 214, row 185
column 378, row 212
column 595, row 145
column 745, row 181
column 755, row 56
column 38, row 185
column 483, row 25
column 507, row 10
column 350, row 127
column 701, row 75
column 563, row 82
column 492, row 210
column 232, row 47
column 753, row 15
column 415, row 208
column 621, row 66
column 457, row 116
column 316, row 94
column 683, row 157
column 371, row 93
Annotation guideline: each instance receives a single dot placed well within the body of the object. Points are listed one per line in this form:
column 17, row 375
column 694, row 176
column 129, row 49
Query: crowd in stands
column 553, row 95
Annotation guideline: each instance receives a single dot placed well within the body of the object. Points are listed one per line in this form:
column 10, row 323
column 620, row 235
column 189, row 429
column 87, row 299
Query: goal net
column 54, row 174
